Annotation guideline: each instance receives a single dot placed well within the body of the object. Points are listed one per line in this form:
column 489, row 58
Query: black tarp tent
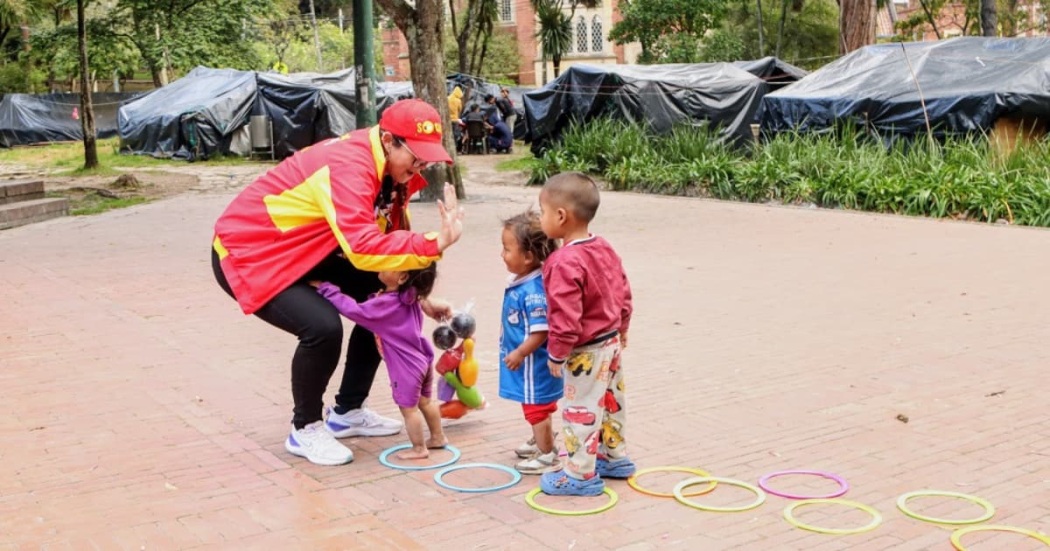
column 200, row 115
column 967, row 83
column 657, row 96
column 307, row 107
column 40, row 118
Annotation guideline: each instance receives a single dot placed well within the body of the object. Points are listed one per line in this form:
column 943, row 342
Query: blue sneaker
column 617, row 468
column 558, row 483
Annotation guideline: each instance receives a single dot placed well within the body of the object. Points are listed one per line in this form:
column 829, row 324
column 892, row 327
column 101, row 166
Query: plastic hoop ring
column 843, row 485
column 383, row 459
column 632, row 482
column 902, row 504
column 680, row 497
column 958, row 534
column 876, row 517
column 530, row 499
column 441, row 474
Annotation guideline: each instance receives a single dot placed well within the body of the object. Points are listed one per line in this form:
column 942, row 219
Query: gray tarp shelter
column 656, row 96
column 200, row 115
column 967, row 84
column 41, row 118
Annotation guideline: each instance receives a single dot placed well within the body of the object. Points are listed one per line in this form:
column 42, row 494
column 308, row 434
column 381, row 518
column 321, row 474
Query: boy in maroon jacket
column 588, row 313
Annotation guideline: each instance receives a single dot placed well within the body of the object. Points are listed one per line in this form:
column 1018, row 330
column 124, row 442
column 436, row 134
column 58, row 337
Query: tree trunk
column 484, row 50
column 930, row 18
column 783, row 19
column 761, row 31
column 87, row 111
column 856, row 24
column 989, row 18
column 423, row 28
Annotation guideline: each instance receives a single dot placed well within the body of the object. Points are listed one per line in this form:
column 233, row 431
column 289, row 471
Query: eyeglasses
column 417, row 164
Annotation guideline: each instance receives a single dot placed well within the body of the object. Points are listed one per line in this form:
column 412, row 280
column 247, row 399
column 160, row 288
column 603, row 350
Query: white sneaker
column 528, row 449
column 317, row 445
column 360, row 422
column 540, row 463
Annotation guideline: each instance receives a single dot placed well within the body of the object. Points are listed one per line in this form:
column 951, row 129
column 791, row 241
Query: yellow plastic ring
column 530, row 499
column 902, row 504
column 698, row 472
column 958, row 534
column 680, row 497
column 790, row 517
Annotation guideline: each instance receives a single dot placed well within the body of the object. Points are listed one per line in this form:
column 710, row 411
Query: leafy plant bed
column 963, row 178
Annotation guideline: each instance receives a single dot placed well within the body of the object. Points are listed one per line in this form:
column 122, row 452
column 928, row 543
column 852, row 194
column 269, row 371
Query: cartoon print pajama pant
column 595, row 414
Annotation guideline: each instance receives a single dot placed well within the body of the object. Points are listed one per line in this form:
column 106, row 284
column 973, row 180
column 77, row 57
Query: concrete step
column 35, row 210
column 20, row 190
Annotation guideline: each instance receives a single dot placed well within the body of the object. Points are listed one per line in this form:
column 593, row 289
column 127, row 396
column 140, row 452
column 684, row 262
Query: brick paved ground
column 140, row 409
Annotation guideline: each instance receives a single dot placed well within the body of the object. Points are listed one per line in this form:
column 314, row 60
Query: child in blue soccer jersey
column 524, row 376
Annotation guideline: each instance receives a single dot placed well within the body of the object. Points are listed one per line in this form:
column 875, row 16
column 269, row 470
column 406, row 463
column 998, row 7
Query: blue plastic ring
column 399, row 447
column 440, row 474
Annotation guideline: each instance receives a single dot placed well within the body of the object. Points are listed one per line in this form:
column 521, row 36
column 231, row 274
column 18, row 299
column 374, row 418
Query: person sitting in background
column 501, row 139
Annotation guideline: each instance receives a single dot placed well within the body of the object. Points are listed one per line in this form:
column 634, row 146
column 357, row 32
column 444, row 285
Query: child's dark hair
column 575, row 191
column 529, row 235
column 421, row 280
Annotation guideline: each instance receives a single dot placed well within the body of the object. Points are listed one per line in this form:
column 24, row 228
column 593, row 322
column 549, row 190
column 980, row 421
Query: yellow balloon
column 468, row 367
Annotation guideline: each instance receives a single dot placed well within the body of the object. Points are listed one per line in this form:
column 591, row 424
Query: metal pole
column 364, row 64
column 317, row 37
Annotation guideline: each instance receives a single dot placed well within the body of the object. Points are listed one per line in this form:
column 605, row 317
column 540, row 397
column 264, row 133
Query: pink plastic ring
column 843, row 486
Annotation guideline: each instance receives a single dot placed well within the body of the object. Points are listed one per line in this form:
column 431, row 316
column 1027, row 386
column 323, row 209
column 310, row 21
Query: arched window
column 581, row 34
column 597, row 38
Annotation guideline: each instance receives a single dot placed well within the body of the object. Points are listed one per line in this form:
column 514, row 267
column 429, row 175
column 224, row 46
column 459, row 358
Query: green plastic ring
column 902, row 504
column 876, row 518
column 681, row 486
column 529, row 498
column 958, row 534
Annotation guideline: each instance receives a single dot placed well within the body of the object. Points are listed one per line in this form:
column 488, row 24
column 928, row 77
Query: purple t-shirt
column 397, row 321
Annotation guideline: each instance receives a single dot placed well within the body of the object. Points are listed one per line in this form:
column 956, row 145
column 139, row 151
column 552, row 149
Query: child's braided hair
column 529, row 235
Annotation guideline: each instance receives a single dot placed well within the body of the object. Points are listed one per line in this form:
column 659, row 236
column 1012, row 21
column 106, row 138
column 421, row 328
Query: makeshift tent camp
column 198, row 116
column 657, row 96
column 967, row 84
column 39, row 118
column 207, row 111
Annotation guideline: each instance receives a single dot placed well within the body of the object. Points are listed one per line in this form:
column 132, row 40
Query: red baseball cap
column 420, row 125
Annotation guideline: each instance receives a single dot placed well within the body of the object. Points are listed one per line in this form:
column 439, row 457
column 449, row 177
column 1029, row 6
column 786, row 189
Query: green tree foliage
column 669, row 31
column 181, row 34
column 810, row 32
column 501, row 57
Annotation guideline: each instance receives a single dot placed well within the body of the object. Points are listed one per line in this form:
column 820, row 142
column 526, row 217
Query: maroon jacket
column 588, row 295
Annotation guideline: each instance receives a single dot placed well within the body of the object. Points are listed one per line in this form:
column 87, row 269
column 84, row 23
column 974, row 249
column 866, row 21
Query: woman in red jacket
column 336, row 211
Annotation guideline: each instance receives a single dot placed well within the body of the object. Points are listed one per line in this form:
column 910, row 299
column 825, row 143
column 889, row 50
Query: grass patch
column 963, row 178
column 524, row 163
column 95, row 204
column 70, row 156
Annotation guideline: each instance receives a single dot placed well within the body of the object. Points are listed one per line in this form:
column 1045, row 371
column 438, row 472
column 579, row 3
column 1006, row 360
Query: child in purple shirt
column 396, row 318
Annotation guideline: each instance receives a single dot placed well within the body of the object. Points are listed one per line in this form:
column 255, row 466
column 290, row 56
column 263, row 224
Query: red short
column 538, row 413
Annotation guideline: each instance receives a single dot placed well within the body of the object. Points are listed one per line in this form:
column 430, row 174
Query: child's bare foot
column 437, row 442
column 414, row 453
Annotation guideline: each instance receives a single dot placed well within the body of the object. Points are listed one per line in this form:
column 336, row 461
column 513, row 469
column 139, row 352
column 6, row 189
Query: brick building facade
column 951, row 21
column 590, row 42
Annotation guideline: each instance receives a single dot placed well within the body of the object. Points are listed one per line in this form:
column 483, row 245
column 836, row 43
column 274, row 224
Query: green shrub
column 962, row 177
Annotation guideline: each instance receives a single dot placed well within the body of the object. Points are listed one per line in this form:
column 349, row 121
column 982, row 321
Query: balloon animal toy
column 457, row 367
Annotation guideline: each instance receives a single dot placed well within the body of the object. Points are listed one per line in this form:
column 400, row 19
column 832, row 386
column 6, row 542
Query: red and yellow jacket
column 322, row 198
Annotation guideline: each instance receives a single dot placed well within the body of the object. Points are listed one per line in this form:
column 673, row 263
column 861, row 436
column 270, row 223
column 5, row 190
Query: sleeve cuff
column 538, row 328
column 552, row 359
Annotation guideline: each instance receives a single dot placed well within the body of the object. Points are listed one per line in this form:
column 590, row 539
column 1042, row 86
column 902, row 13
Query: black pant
column 302, row 312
